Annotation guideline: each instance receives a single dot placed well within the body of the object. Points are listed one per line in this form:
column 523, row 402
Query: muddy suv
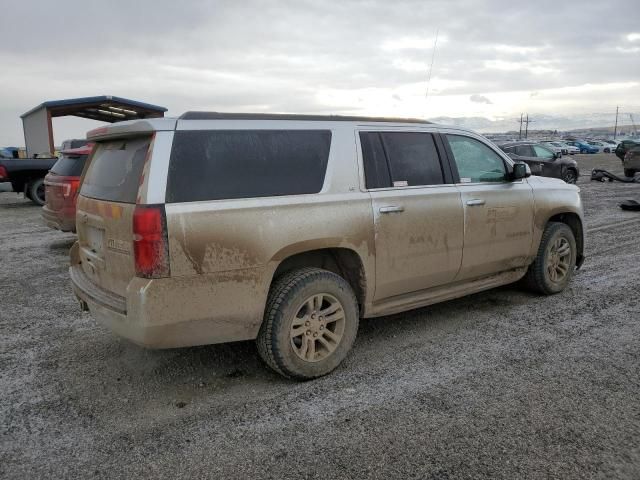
column 288, row 229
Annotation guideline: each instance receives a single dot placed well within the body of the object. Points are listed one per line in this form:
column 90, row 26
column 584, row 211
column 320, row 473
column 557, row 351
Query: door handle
column 475, row 201
column 391, row 209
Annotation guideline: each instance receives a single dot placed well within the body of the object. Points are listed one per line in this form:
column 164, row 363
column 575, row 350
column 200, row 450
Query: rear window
column 114, row 173
column 70, row 165
column 226, row 164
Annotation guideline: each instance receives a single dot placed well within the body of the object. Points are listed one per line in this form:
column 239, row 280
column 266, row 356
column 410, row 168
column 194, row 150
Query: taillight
column 71, row 188
column 150, row 244
column 3, row 172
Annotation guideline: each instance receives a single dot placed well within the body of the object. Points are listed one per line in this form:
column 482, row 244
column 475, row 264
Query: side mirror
column 557, row 155
column 520, row 170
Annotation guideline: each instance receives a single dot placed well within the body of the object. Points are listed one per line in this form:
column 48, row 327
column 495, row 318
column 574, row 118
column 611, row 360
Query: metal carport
column 38, row 132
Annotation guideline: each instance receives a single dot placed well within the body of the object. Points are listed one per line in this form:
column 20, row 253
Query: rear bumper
column 158, row 314
column 58, row 222
column 632, row 163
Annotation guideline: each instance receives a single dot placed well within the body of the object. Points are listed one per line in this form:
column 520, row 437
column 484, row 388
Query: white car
column 570, row 148
column 612, row 144
column 555, row 148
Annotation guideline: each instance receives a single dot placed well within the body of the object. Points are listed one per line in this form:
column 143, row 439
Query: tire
column 570, row 176
column 539, row 277
column 36, row 191
column 629, row 172
column 293, row 299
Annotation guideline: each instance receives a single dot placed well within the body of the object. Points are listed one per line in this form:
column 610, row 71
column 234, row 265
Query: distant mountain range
column 542, row 122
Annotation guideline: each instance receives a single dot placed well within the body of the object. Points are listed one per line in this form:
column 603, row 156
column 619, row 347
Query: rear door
column 416, row 209
column 104, row 218
column 498, row 213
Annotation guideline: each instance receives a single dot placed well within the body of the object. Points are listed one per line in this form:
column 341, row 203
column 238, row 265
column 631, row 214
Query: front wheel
column 310, row 323
column 570, row 175
column 555, row 262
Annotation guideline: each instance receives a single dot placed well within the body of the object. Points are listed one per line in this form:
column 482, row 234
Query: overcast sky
column 494, row 58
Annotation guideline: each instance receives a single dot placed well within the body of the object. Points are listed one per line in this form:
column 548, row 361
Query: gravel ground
column 502, row 384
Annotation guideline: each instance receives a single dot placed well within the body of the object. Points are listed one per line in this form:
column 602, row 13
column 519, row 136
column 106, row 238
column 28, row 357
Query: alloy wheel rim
column 559, row 260
column 317, row 327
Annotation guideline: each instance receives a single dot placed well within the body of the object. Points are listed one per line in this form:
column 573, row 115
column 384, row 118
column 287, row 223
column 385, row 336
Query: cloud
column 307, row 56
column 480, row 99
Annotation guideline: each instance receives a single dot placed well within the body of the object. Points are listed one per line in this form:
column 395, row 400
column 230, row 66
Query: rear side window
column 115, row 170
column 226, row 164
column 70, row 165
column 525, row 151
column 400, row 159
column 413, row 158
column 376, row 170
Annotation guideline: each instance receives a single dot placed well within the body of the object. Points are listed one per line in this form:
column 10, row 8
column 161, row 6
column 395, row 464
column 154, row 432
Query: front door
column 498, row 213
column 417, row 212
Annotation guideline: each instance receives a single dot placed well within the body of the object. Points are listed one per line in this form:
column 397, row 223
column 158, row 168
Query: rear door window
column 115, row 170
column 70, row 165
column 400, row 159
column 227, row 164
column 413, row 158
column 525, row 151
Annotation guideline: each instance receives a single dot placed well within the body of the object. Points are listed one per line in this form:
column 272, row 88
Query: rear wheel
column 310, row 323
column 36, row 191
column 570, row 175
column 629, row 172
column 554, row 264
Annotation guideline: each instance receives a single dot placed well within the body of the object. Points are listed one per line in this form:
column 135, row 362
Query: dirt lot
column 503, row 384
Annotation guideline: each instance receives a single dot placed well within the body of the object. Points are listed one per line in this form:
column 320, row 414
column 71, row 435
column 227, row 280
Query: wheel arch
column 574, row 222
column 345, row 262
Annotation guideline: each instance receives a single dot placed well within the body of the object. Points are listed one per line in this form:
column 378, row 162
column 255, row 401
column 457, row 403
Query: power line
column 433, row 56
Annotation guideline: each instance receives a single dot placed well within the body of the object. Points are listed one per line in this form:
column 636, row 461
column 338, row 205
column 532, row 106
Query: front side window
column 227, row 164
column 542, row 152
column 476, row 162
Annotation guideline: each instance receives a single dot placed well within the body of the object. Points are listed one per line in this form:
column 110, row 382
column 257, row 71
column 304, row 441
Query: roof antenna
column 433, row 56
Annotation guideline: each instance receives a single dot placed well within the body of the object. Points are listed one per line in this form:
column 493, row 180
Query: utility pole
column 520, row 134
column 615, row 129
column 526, row 128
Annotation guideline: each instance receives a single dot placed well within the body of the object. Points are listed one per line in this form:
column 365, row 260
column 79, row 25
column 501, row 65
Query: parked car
column 601, row 146
column 612, row 144
column 624, row 146
column 27, row 175
column 631, row 161
column 572, row 150
column 554, row 148
column 542, row 160
column 557, row 147
column 289, row 228
column 584, row 147
column 61, row 189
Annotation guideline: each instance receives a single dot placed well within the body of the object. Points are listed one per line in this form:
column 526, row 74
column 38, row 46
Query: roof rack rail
column 286, row 116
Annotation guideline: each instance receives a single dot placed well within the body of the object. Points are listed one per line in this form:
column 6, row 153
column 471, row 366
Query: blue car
column 583, row 146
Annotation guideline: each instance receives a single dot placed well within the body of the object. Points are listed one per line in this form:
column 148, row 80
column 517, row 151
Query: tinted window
column 70, row 165
column 525, row 151
column 413, row 158
column 509, row 149
column 476, row 162
column 542, row 152
column 376, row 171
column 114, row 173
column 222, row 164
